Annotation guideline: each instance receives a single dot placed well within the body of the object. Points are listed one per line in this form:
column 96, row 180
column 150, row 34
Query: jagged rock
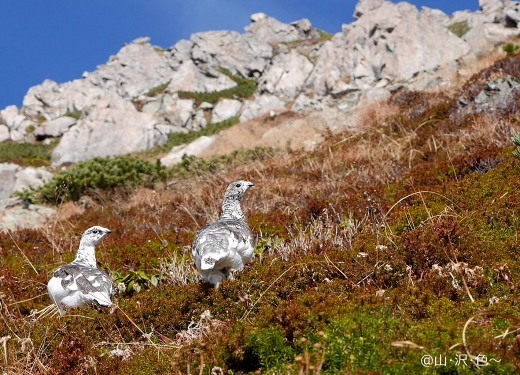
column 493, row 10
column 366, row 6
column 21, row 216
column 54, row 128
column 225, row 109
column 260, row 105
column 245, row 54
column 17, row 123
column 512, row 15
column 189, row 78
column 198, row 121
column 273, row 31
column 136, row 69
column 4, row 133
column 393, row 41
column 194, row 148
column 499, row 94
column 31, row 178
column 52, row 100
column 8, row 177
column 94, row 135
column 286, row 75
column 15, row 178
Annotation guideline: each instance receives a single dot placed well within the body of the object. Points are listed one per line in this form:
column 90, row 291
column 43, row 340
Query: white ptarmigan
column 227, row 244
column 81, row 283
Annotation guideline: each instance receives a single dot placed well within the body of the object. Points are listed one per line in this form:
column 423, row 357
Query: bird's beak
column 250, row 184
column 109, row 231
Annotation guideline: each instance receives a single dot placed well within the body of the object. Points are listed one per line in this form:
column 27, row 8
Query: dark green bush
column 270, row 348
column 245, row 88
column 511, row 48
column 516, row 141
column 99, row 173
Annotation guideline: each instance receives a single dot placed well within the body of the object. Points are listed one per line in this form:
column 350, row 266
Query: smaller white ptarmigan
column 227, row 244
column 81, row 283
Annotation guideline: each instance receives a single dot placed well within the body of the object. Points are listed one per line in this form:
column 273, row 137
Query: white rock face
column 8, row 177
column 286, row 75
column 194, row 148
column 15, row 178
column 94, row 136
column 54, row 128
column 260, row 105
column 395, row 42
column 4, row 133
column 189, row 78
column 225, row 109
column 245, row 54
column 30, row 217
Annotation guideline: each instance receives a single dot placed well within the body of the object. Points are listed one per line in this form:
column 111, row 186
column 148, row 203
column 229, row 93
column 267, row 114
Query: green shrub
column 99, row 173
column 34, row 154
column 135, row 281
column 158, row 90
column 459, row 28
column 270, row 349
column 516, row 141
column 511, row 48
column 245, row 88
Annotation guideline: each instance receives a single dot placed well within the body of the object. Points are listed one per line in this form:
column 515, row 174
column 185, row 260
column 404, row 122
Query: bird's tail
column 208, row 261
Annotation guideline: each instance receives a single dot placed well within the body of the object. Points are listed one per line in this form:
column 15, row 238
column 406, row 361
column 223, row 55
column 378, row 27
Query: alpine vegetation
column 81, row 283
column 227, row 244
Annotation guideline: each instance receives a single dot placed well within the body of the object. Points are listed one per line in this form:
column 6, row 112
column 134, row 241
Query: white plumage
column 227, row 244
column 81, row 283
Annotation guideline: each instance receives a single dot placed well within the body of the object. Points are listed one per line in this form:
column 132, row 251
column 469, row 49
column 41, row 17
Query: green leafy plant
column 511, row 48
column 135, row 281
column 459, row 28
column 99, row 173
column 516, row 141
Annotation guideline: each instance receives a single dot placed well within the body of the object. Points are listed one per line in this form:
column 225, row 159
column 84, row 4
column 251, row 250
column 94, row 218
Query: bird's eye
column 238, row 185
column 95, row 231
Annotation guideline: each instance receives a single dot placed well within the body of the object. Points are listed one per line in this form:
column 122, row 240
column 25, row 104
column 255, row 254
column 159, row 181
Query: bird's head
column 94, row 235
column 237, row 189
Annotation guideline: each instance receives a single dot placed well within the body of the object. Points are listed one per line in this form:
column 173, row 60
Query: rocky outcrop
column 15, row 178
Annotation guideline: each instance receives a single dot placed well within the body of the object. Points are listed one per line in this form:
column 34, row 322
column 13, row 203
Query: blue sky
column 60, row 39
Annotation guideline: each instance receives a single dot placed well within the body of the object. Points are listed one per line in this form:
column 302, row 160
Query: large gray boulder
column 195, row 148
column 286, row 75
column 261, row 105
column 15, row 178
column 94, row 135
column 4, row 133
column 225, row 109
column 271, row 30
column 243, row 54
column 17, row 123
column 189, row 77
column 8, row 177
column 54, row 128
column 136, row 69
column 393, row 42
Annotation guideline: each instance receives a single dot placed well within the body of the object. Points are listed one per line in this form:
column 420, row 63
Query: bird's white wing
column 81, row 283
column 226, row 243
